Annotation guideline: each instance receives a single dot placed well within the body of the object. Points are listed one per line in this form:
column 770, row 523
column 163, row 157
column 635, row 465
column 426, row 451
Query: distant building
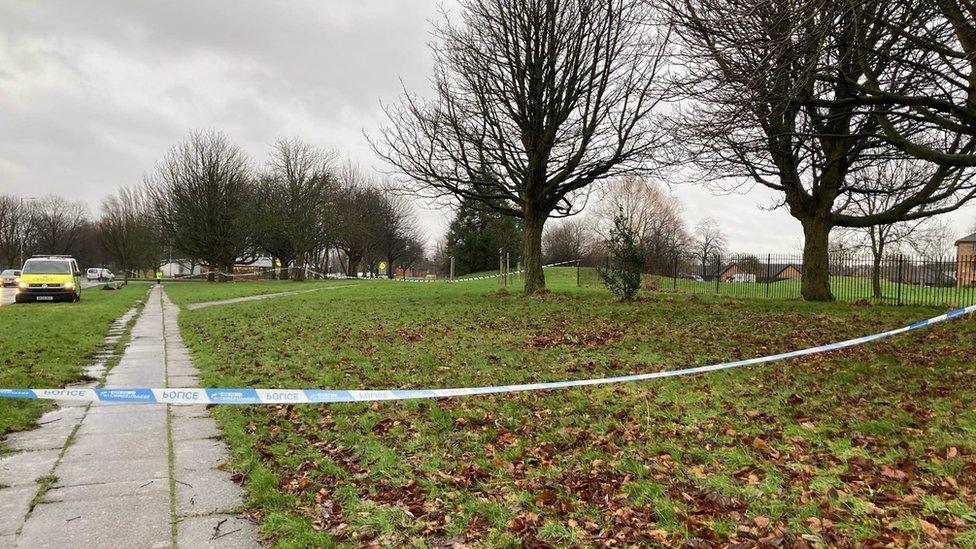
column 175, row 269
column 776, row 271
column 413, row 272
column 966, row 260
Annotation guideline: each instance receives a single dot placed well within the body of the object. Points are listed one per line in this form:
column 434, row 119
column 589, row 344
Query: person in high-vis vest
column 159, row 277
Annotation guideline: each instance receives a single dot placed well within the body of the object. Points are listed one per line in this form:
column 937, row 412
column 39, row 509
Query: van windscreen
column 47, row 267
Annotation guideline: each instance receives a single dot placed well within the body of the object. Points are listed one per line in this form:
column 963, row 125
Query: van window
column 47, row 267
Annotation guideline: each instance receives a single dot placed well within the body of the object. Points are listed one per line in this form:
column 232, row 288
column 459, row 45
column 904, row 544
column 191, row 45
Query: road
column 7, row 294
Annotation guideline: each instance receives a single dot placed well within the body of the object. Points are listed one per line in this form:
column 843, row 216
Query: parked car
column 742, row 277
column 49, row 278
column 99, row 274
column 696, row 278
column 9, row 277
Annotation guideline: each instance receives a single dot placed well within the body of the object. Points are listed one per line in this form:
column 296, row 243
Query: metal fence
column 896, row 280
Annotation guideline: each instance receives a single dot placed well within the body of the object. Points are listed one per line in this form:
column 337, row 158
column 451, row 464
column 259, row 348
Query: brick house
column 966, row 260
column 777, row 271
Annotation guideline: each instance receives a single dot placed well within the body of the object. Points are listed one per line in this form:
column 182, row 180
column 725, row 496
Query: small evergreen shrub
column 622, row 275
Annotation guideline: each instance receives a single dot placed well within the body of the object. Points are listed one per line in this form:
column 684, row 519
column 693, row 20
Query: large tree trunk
column 535, row 280
column 816, row 261
column 299, row 272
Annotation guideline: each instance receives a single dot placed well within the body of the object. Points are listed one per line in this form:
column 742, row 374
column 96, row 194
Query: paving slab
column 194, row 428
column 98, row 469
column 129, row 521
column 217, row 531
column 205, row 490
column 24, row 468
column 40, row 439
column 14, row 504
column 61, row 416
column 124, row 445
column 191, row 410
column 189, row 382
column 148, row 418
column 91, row 492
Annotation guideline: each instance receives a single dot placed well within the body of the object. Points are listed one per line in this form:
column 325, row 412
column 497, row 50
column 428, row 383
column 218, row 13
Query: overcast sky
column 92, row 94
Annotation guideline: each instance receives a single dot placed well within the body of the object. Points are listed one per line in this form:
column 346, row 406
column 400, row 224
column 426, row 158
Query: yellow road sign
column 382, row 265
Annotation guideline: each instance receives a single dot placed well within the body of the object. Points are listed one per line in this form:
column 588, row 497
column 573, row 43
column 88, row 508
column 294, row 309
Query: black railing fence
column 896, row 280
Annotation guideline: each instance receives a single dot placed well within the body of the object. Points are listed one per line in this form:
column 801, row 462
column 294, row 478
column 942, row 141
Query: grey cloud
column 93, row 93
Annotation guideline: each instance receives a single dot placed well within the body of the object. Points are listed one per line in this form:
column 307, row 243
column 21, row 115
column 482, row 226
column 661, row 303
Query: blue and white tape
column 142, row 395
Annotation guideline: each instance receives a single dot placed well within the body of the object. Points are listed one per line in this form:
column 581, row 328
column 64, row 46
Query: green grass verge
column 184, row 293
column 46, row 345
column 845, row 288
column 875, row 444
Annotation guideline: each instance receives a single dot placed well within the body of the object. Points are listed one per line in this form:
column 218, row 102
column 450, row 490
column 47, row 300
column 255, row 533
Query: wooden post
column 452, row 268
column 501, row 268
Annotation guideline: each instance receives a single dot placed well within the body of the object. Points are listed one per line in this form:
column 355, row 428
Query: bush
column 622, row 275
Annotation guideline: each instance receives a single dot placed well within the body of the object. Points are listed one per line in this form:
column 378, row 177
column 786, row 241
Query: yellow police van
column 49, row 278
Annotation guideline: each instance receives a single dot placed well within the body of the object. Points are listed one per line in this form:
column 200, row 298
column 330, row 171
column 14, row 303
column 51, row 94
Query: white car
column 10, row 277
column 99, row 274
column 742, row 277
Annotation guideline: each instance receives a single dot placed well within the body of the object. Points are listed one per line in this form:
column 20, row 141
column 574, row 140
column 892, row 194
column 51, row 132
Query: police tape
column 511, row 273
column 327, row 396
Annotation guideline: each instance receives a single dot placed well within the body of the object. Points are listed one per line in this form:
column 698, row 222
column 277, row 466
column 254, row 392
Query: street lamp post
column 23, row 233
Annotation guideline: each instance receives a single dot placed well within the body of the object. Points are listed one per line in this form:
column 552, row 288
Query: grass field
column 46, row 345
column 845, row 288
column 876, row 444
column 198, row 292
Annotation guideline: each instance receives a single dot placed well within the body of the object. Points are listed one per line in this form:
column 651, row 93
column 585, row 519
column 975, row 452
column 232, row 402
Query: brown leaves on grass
column 583, row 337
column 742, row 462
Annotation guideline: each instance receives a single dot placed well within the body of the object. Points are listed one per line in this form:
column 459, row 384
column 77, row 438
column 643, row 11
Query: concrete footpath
column 110, row 475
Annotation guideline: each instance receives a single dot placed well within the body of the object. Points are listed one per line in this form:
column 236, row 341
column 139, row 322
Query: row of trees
column 535, row 100
column 643, row 209
column 652, row 218
column 206, row 204
column 212, row 206
column 49, row 224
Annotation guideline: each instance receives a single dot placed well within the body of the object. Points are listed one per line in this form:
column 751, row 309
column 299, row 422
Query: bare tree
column 709, row 241
column 771, row 102
column 397, row 228
column 127, row 233
column 920, row 80
column 650, row 213
column 413, row 254
column 202, row 195
column 565, row 241
column 890, row 181
column 58, row 224
column 534, row 101
column 296, row 204
column 361, row 209
column 14, row 225
column 271, row 207
column 935, row 242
